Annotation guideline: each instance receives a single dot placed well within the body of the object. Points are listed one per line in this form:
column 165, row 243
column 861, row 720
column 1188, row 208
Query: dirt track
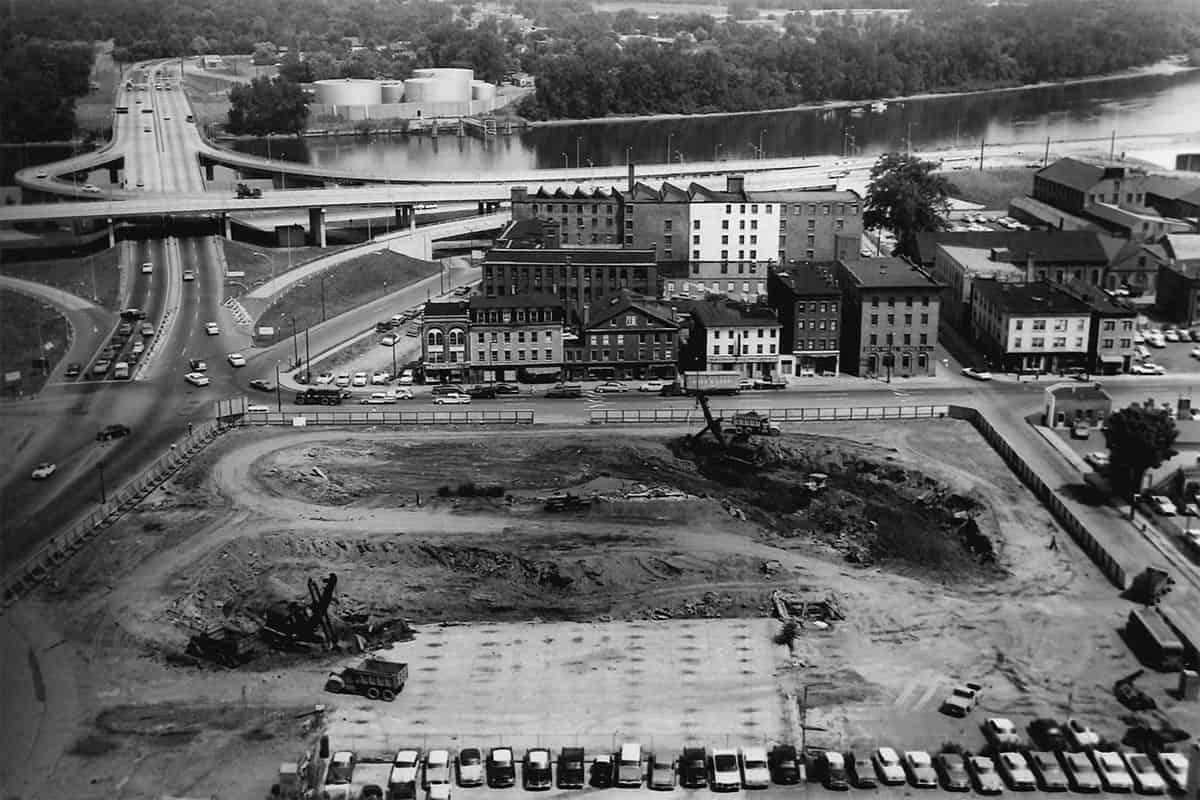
column 254, row 521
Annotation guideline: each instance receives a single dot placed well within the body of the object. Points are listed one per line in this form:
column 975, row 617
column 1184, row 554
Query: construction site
column 564, row 587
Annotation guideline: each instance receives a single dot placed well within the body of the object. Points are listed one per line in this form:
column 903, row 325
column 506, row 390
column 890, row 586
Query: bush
column 470, row 489
column 444, row 491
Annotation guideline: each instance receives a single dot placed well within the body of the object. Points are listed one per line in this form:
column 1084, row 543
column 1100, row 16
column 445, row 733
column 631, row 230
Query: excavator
column 303, row 624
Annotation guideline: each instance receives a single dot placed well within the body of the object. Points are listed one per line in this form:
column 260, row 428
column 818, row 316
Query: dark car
column 952, row 768
column 482, row 392
column 501, row 767
column 507, row 388
column 693, row 768
column 1047, row 734
column 660, row 774
column 447, row 388
column 535, row 769
column 115, row 431
column 832, row 766
column 384, row 327
column 470, row 767
column 133, row 313
column 602, row 771
column 571, row 772
column 673, row 390
column 125, row 329
column 565, row 391
column 74, row 370
column 262, row 385
column 861, row 770
column 784, row 766
column 1049, row 773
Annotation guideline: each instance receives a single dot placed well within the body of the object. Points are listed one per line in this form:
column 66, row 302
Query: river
column 1146, row 105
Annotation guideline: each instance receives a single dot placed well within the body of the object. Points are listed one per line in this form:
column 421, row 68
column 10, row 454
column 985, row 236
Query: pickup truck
column 962, row 700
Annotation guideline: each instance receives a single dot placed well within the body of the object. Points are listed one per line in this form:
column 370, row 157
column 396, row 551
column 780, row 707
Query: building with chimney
column 591, row 217
column 445, row 356
column 1110, row 345
column 515, row 336
column 734, row 337
column 1178, row 297
column 808, row 300
column 1030, row 328
column 815, row 225
column 624, row 337
column 890, row 314
column 657, row 219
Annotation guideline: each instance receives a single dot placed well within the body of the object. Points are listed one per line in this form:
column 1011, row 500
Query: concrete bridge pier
column 112, row 233
column 226, row 229
column 316, row 226
column 210, row 174
column 488, row 207
column 114, row 175
column 405, row 218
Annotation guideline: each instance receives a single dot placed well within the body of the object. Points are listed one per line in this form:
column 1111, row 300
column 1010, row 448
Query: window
column 1059, row 341
column 724, row 224
column 666, row 225
column 875, row 301
column 1060, row 324
column 1039, row 324
column 812, row 224
column 753, row 224
column 1108, row 343
column 908, row 338
column 891, row 319
column 696, row 257
column 832, row 325
column 891, row 302
column 1020, row 324
column 481, row 337
column 725, row 239
column 1078, row 342
column 760, row 350
column 874, row 319
column 479, row 355
column 908, row 319
column 925, row 301
column 508, row 355
column 924, row 338
column 521, row 354
column 696, row 239
column 874, row 339
column 1038, row 341
column 1126, row 343
column 924, row 319
column 839, row 225
column 695, row 224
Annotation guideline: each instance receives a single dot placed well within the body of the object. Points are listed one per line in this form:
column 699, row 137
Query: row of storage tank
column 432, row 85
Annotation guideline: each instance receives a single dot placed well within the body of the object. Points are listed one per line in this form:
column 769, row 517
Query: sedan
column 379, row 398
column 1001, row 732
column 1081, row 774
column 389, row 340
column 1049, row 773
column 188, row 275
column 1048, row 734
column 983, row 773
column 501, row 768
column 1145, row 777
column 977, row 374
column 452, row 399
column 73, row 370
column 262, row 385
column 1175, row 769
column 1147, row 368
column 920, row 769
column 212, row 329
column 437, row 768
column 1099, row 461
column 1112, row 772
column 1163, row 506
column 693, row 768
column 197, row 365
column 380, row 377
column 661, row 775
column 611, row 386
column 91, row 188
column 651, row 386
column 102, row 366
column 43, row 471
column 470, row 767
column 1015, row 769
column 404, row 767
column 755, row 772
column 196, row 379
column 147, row 329
column 360, row 379
column 341, row 381
column 785, row 766
column 324, row 378
column 507, row 388
column 833, row 765
column 723, row 772
column 953, row 769
column 236, row 360
column 147, row 268
column 887, row 764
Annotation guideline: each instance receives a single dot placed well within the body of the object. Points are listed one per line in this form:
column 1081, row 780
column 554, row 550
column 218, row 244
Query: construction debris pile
column 804, row 609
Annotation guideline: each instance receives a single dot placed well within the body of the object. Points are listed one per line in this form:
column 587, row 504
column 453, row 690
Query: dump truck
column 748, row 423
column 245, row 191
column 374, row 678
column 319, row 397
column 226, row 646
column 711, row 382
column 567, row 502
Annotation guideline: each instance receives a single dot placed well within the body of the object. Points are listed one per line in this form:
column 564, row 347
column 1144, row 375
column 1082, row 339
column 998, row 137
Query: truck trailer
column 711, row 382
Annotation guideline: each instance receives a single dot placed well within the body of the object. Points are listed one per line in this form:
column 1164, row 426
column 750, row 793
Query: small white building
column 738, row 337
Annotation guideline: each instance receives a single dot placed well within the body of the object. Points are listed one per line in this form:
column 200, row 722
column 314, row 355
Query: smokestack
column 631, row 176
column 1029, row 266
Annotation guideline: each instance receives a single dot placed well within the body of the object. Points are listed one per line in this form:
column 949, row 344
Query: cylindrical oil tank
column 348, row 92
column 455, row 83
column 418, row 90
column 482, row 90
column 392, row 92
column 424, row 72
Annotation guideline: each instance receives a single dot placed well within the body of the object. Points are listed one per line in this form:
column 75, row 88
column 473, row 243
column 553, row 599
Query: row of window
column 506, row 316
column 1111, row 325
column 599, row 273
column 605, row 356
column 908, row 319
column 745, row 334
column 483, row 355
column 715, row 286
column 890, row 339
column 1059, row 324
column 619, row 338
column 891, row 301
column 768, row 208
column 817, row 307
column 1037, row 342
column 508, row 336
column 816, row 325
column 731, row 349
column 1107, row 344
column 818, row 344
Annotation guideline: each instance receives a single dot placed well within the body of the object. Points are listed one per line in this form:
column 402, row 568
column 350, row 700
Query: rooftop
column 1078, row 391
column 810, row 278
column 727, row 314
column 1072, row 172
column 1183, row 246
column 1047, row 247
column 804, row 196
column 888, row 272
column 579, row 256
column 451, row 308
column 978, row 261
column 1097, row 298
column 1038, row 297
column 527, row 300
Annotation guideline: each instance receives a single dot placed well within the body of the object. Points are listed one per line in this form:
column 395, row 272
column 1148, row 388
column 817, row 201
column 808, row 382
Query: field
column 994, row 189
column 30, row 329
column 96, row 277
column 644, row 616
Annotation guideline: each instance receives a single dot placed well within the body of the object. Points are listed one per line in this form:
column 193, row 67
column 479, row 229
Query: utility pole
column 981, row 144
column 1112, row 145
column 278, row 391
column 1046, row 157
column 103, row 489
column 307, row 357
column 669, row 136
column 761, row 153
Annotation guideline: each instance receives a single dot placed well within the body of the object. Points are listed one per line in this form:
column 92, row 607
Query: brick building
column 890, row 313
column 444, row 352
column 815, row 225
column 809, row 303
column 625, row 336
column 734, row 337
column 657, row 219
column 591, row 217
column 1033, row 327
column 514, row 335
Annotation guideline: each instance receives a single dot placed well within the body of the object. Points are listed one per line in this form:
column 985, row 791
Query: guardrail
column 821, row 414
column 300, row 419
column 36, row 567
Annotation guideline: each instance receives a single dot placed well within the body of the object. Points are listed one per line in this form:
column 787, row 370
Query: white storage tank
column 454, row 83
column 348, row 92
column 482, row 90
column 418, row 90
column 392, row 92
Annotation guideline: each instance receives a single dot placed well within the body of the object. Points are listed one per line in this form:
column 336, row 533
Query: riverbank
column 1169, row 66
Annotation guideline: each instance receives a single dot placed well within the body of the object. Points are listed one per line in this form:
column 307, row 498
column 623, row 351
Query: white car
column 147, row 268
column 454, row 398
column 196, row 379
column 404, row 767
column 380, row 377
column 1001, row 732
column 359, row 379
column 1172, row 335
column 42, row 174
column 437, row 768
column 188, row 275
column 211, row 328
column 389, row 340
column 920, row 769
column 91, row 188
column 378, row 399
column 1146, row 779
column 1147, row 368
column 257, row 408
column 755, row 774
column 977, row 374
column 1174, row 768
column 1099, row 461
column 43, row 471
column 236, row 360
column 138, row 348
column 324, row 379
column 724, row 771
column 887, row 764
column 341, row 381
column 1112, row 771
column 438, row 791
column 1163, row 506
column 406, row 378
column 651, row 386
column 1015, row 769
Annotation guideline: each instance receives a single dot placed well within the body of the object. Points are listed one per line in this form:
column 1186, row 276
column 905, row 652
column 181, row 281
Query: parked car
column 977, row 374
column 860, row 770
column 380, row 377
column 470, row 766
column 1174, row 768
column 784, row 765
column 1146, row 779
column 629, row 765
column 196, row 379
column 1081, row 774
column 919, row 767
column 506, row 388
column 1147, row 368
column 1162, row 505
column 723, row 772
column 565, row 391
column 1001, row 732
column 189, row 275
column 1048, row 771
column 359, row 379
column 961, row 700
column 745, row 384
column 1081, row 430
column 74, row 369
column 571, row 772
column 1097, row 459
column 952, row 768
column 693, row 768
column 114, row 431
column 1015, row 769
column 147, row 267
column 661, row 773
column 447, row 388
column 651, row 386
column 133, row 313
column 125, row 329
column 1047, row 734
column 1172, row 335
column 437, row 768
column 888, row 766
column 611, row 386
column 43, row 471
column 984, row 775
column 451, row 399
column 102, row 366
column 379, row 398
column 481, row 392
column 601, row 772
column 341, row 381
column 324, row 378
column 501, row 768
column 341, row 768
column 211, row 328
column 197, row 365
column 403, row 778
column 406, row 377
column 1112, row 771
column 147, row 329
column 389, row 339
column 535, row 770
column 832, row 766
column 1079, row 735
column 236, row 360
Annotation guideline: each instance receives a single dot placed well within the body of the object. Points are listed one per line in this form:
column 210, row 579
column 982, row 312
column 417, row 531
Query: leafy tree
column 264, row 54
column 1138, row 439
column 267, row 105
column 906, row 196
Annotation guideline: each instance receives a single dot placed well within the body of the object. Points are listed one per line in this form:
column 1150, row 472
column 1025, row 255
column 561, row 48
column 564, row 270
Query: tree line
column 39, row 81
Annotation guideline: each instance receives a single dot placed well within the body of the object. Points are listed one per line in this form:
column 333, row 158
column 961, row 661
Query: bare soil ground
column 548, row 614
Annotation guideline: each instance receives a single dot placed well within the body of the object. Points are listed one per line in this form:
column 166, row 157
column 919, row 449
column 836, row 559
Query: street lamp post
column 566, row 162
column 753, row 149
column 761, row 153
column 278, row 391
column 908, row 139
column 628, row 155
column 103, row 489
column 578, row 139
column 669, row 137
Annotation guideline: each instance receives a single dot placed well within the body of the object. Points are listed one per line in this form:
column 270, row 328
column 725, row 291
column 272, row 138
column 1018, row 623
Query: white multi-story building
column 737, row 337
column 1031, row 327
column 727, row 228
